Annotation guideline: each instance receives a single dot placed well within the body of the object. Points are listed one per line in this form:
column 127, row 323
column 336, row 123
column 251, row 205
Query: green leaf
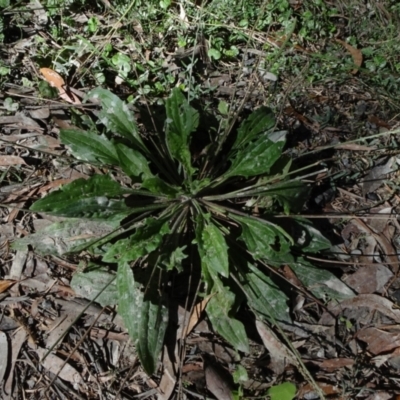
column 284, row 391
column 308, row 238
column 94, row 284
column 321, row 283
column 265, row 240
column 257, row 157
column 182, row 120
column 158, row 186
column 116, row 116
column 145, row 315
column 63, row 237
column 231, row 329
column 214, row 250
column 291, row 195
column 174, row 259
column 264, row 296
column 89, row 146
column 146, row 239
column 259, row 122
column 132, row 162
column 91, row 198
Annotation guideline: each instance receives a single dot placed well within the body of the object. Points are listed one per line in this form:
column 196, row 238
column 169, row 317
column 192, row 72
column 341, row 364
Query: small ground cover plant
column 184, row 200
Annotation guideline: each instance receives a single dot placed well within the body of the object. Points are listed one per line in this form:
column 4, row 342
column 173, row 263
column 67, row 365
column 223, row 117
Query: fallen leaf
column 379, row 341
column 5, row 161
column 52, row 77
column 218, row 380
column 4, row 355
column 55, row 364
column 4, row 285
column 355, row 53
column 279, row 353
column 196, row 314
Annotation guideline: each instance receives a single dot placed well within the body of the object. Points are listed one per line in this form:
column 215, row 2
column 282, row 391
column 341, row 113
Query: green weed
column 201, row 201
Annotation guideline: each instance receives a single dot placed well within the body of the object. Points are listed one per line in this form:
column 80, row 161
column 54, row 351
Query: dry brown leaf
column 355, row 53
column 218, row 380
column 280, row 355
column 196, row 314
column 55, row 364
column 58, row 82
column 371, row 301
column 379, row 341
column 52, row 77
column 4, row 355
column 308, row 390
column 5, row 161
column 4, row 285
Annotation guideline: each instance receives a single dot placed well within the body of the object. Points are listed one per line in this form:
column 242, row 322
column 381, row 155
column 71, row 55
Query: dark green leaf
column 259, row 122
column 146, row 239
column 89, row 146
column 214, row 250
column 94, row 284
column 264, row 296
column 231, row 329
column 174, row 259
column 181, row 121
column 132, row 162
column 291, row 195
column 91, row 198
column 157, row 186
column 308, row 238
column 323, row 284
column 145, row 315
column 116, row 116
column 257, row 157
column 264, row 239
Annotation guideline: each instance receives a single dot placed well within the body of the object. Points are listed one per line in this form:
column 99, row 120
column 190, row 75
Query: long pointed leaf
column 116, row 116
column 182, row 120
column 146, row 239
column 145, row 316
column 259, row 122
column 264, row 240
column 257, row 157
column 231, row 329
column 89, row 146
column 91, row 198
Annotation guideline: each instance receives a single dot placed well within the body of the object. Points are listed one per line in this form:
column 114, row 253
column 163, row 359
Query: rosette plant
column 183, row 200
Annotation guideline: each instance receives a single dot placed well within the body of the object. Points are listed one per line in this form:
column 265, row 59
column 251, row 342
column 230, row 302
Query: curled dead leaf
column 355, row 53
column 5, row 284
column 52, row 77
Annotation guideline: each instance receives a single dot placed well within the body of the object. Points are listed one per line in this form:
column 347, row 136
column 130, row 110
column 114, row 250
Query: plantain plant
column 184, row 200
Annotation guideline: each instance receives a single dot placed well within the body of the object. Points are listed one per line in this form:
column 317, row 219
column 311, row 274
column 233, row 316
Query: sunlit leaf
column 257, row 157
column 96, row 197
column 145, row 315
column 259, row 122
column 96, row 283
column 116, row 116
column 63, row 237
column 323, row 284
column 132, row 162
column 264, row 296
column 214, row 250
column 265, row 240
column 219, row 312
column 182, row 120
column 89, row 146
column 146, row 239
column 284, row 391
